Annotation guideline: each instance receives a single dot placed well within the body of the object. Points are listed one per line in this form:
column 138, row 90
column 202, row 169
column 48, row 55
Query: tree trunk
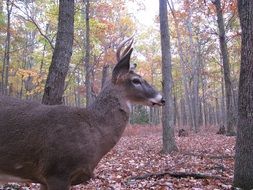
column 244, row 142
column 226, row 70
column 77, row 93
column 204, row 114
column 194, row 89
column 1, row 81
column 169, row 143
column 185, row 74
column 175, row 110
column 217, row 112
column 105, row 75
column 200, row 114
column 54, row 87
column 43, row 52
column 6, row 62
column 223, row 109
column 183, row 112
column 87, row 54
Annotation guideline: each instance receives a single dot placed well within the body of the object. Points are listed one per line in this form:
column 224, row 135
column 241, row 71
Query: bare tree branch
column 176, row 175
column 30, row 19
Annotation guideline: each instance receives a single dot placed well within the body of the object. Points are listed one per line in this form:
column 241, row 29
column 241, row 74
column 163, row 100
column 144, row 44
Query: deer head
column 136, row 89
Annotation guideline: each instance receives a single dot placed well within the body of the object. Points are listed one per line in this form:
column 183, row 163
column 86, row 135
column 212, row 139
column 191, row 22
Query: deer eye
column 136, row 81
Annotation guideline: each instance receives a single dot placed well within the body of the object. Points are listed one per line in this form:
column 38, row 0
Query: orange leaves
column 32, row 80
column 24, row 73
column 228, row 6
column 103, row 9
column 139, row 155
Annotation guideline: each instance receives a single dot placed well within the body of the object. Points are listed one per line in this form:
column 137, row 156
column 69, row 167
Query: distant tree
column 6, row 59
column 169, row 143
column 105, row 75
column 87, row 65
column 230, row 124
column 243, row 177
column 54, row 87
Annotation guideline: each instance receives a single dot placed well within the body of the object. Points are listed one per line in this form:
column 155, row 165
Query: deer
column 59, row 146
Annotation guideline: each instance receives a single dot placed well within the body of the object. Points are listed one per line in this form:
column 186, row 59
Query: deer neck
column 111, row 114
column 110, row 103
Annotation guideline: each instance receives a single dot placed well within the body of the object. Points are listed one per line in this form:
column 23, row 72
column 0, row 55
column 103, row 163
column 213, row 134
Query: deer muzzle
column 158, row 100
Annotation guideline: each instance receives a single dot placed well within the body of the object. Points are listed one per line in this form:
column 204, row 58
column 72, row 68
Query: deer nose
column 163, row 101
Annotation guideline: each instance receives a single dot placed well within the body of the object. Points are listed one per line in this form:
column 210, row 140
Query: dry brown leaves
column 138, row 155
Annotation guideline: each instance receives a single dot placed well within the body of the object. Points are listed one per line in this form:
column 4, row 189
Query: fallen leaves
column 207, row 154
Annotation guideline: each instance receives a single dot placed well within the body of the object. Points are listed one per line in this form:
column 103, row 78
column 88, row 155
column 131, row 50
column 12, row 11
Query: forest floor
column 136, row 163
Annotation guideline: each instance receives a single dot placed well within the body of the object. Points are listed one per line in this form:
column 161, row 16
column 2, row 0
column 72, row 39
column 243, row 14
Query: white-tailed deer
column 59, row 146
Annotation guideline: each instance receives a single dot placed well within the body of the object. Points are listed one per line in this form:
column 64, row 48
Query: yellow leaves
column 128, row 23
column 24, row 74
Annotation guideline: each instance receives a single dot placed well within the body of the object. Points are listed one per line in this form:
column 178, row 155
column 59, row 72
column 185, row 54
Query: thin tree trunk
column 194, row 75
column 204, row 114
column 200, row 114
column 226, row 70
column 217, row 112
column 169, row 143
column 87, row 54
column 6, row 62
column 105, row 75
column 175, row 110
column 223, row 106
column 55, row 83
column 243, row 177
column 183, row 112
column 43, row 52
column 77, row 93
column 1, row 82
column 182, row 63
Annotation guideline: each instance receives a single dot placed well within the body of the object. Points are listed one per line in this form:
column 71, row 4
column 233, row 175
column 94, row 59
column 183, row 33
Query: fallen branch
column 209, row 156
column 176, row 175
column 221, row 157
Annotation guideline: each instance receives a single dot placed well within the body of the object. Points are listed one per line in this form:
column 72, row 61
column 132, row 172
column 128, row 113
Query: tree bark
column 175, row 110
column 43, row 52
column 183, row 112
column 6, row 62
column 243, row 177
column 105, row 75
column 1, row 82
column 203, row 86
column 185, row 74
column 226, row 70
column 169, row 143
column 223, row 109
column 217, row 112
column 87, row 54
column 194, row 74
column 77, row 93
column 58, row 69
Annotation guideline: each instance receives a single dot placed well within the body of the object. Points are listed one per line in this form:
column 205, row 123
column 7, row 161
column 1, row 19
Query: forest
column 196, row 53
column 198, row 81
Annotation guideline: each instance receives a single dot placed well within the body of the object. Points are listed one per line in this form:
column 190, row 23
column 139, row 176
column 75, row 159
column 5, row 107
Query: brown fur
column 45, row 141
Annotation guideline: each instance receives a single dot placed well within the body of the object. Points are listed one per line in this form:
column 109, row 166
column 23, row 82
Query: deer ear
column 122, row 67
